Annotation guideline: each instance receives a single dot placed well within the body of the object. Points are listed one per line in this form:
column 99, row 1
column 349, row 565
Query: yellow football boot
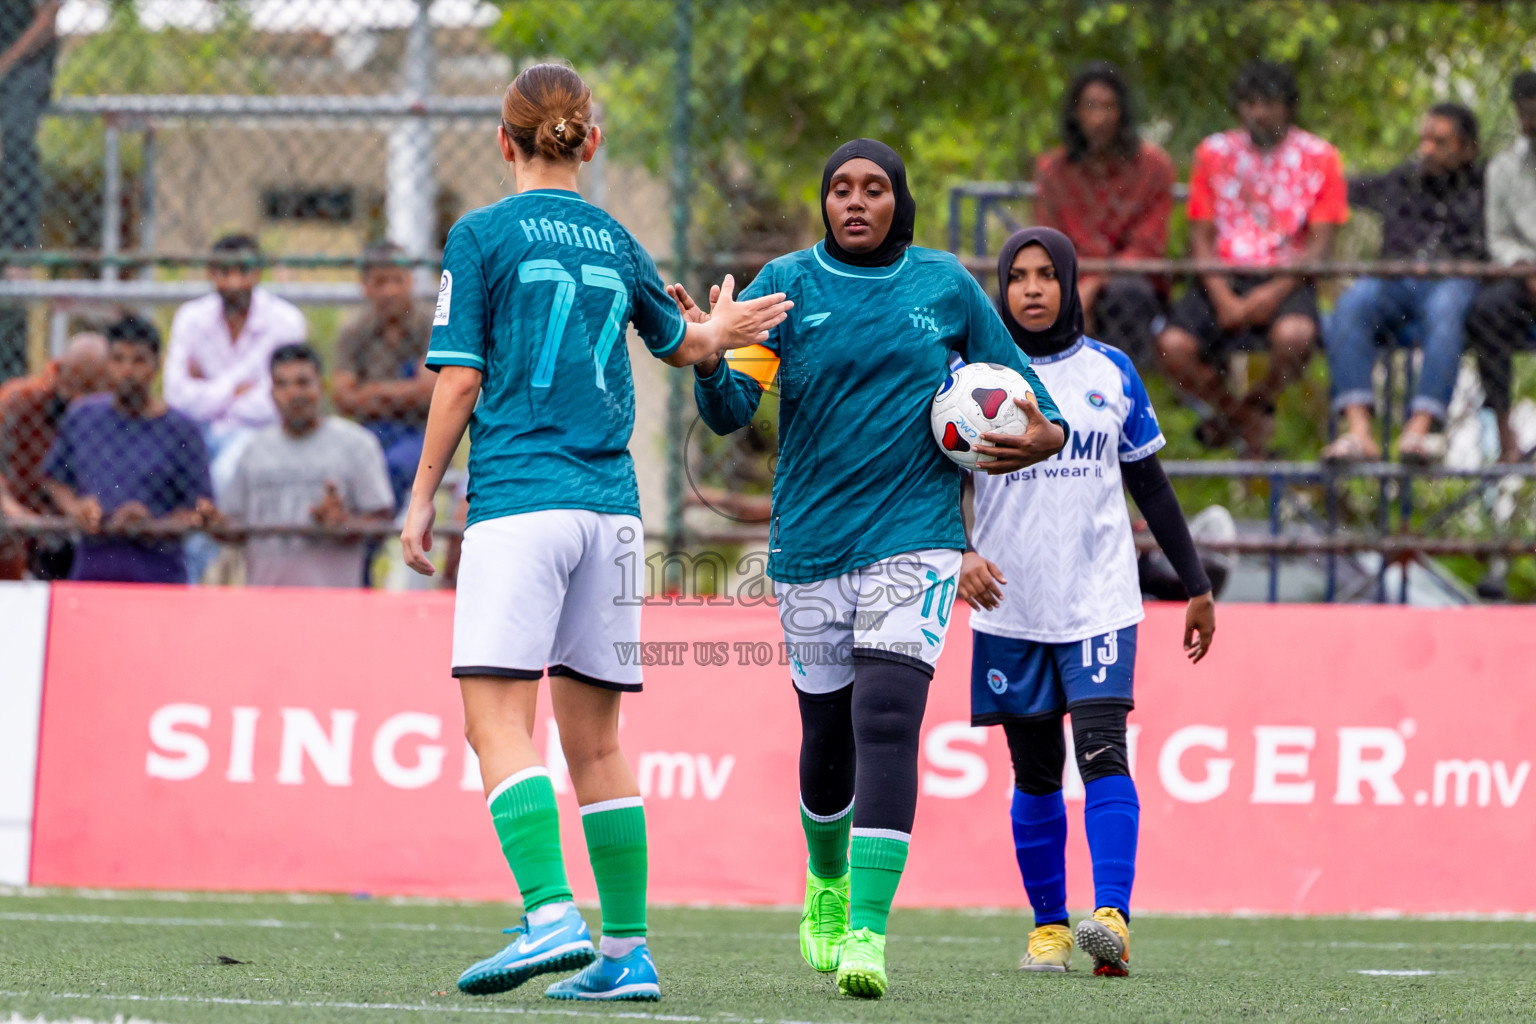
column 1050, row 949
column 1107, row 939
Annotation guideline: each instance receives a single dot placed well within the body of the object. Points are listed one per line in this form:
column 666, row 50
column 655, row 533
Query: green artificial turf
column 69, row 956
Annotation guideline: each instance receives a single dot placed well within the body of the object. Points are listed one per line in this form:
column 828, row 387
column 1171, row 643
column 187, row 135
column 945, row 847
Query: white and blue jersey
column 1059, row 530
column 1064, row 633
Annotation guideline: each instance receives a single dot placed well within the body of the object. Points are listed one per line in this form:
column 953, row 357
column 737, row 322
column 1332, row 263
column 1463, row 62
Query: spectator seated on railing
column 381, row 378
column 310, row 470
column 30, row 411
column 1110, row 192
column 1266, row 194
column 1431, row 209
column 1503, row 316
column 125, row 460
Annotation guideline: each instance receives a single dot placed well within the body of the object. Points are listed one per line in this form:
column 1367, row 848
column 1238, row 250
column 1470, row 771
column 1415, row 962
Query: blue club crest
column 996, row 680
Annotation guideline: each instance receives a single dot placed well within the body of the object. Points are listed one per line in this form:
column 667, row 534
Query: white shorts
column 896, row 609
column 554, row 588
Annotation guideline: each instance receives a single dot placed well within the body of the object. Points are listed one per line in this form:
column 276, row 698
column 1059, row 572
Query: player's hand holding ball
column 981, row 582
column 1012, row 452
column 984, row 417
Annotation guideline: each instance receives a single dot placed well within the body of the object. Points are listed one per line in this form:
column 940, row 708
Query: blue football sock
column 1040, row 841
column 1111, row 819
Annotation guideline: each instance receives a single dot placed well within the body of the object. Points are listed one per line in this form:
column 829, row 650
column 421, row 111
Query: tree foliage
column 971, row 90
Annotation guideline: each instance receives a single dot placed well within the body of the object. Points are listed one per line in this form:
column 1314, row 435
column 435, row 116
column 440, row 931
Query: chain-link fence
column 235, row 176
column 305, row 159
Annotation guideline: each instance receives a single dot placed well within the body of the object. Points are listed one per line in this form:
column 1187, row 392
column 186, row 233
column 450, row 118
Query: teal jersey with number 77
column 536, row 293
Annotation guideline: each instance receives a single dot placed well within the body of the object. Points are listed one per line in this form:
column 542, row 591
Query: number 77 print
column 532, row 271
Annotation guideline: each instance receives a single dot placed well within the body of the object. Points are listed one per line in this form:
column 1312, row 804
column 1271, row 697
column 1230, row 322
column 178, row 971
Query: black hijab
column 896, row 240
column 1068, row 326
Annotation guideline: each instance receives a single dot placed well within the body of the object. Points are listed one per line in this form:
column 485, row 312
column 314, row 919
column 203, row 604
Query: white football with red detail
column 977, row 399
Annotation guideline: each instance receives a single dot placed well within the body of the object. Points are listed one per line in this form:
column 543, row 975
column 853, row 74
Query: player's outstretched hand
column 745, row 323
column 1199, row 626
column 690, row 309
column 416, row 538
column 1012, row 452
column 981, row 582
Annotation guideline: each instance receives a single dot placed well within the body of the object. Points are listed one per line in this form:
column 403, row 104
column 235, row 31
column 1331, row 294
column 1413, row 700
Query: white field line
column 407, row 926
column 301, row 898
column 410, row 926
column 502, row 1011
column 1402, row 974
column 17, row 1018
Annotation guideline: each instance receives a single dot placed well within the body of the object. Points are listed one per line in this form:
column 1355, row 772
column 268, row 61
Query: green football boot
column 861, row 971
column 824, row 924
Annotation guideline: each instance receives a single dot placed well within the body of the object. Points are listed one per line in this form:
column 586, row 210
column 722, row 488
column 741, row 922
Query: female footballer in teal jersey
column 528, row 343
column 866, row 535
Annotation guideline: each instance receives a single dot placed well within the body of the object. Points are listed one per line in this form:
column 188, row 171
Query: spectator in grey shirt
column 1503, row 316
column 308, row 470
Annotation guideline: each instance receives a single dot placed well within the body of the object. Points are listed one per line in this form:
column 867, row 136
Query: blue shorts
column 1023, row 679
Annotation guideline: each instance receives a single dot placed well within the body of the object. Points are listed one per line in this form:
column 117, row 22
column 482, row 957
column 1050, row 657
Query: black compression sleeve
column 1154, row 495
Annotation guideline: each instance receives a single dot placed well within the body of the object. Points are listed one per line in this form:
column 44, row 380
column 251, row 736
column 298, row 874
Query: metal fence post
column 411, row 191
column 111, row 198
column 1276, row 491
column 682, row 183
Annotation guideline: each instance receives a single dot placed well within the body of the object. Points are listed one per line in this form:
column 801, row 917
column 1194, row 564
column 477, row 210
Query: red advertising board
column 1321, row 760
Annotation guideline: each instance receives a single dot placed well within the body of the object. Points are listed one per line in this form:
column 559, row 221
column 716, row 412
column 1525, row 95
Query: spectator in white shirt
column 217, row 365
column 221, row 344
column 1502, row 320
column 311, row 470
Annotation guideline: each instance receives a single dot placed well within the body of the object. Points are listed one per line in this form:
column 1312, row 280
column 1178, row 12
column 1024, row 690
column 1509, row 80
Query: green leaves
column 971, row 89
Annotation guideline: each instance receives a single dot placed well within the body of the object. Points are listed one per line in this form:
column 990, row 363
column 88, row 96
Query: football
column 974, row 400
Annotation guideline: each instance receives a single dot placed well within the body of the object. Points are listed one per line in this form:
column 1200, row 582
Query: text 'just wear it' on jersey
column 536, row 292
column 1059, row 530
column 859, row 477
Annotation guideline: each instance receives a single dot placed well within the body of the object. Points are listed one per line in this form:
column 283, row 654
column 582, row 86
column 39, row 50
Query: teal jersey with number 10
column 536, row 293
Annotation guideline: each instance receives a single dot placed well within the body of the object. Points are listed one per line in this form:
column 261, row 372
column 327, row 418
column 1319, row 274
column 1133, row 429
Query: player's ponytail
column 548, row 112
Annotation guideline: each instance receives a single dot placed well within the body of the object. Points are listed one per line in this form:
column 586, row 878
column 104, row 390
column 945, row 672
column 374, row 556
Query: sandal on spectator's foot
column 1416, row 449
column 1348, row 448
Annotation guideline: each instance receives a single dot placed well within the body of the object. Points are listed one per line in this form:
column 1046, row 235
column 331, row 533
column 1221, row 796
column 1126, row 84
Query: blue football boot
column 563, row 945
column 632, row 976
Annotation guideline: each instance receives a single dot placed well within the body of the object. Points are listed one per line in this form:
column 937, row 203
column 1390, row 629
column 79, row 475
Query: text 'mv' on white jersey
column 1059, row 530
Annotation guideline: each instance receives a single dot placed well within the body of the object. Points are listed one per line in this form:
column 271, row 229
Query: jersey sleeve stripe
column 1146, row 450
column 447, row 358
column 677, row 339
column 756, row 361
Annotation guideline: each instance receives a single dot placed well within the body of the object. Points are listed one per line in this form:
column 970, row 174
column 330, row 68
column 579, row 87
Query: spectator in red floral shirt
column 1110, row 193
column 1267, row 194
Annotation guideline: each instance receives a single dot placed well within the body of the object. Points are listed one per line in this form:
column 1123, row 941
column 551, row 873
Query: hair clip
column 560, row 128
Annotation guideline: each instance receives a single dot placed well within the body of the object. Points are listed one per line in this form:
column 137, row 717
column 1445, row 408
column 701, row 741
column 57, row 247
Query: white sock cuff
column 612, row 805
column 824, row 818
column 512, row 780
column 613, row 947
column 549, row 913
column 883, row 833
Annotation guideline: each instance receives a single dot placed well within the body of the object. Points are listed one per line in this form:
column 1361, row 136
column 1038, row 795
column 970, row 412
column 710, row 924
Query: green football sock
column 879, row 856
column 523, row 808
column 826, row 837
column 620, row 862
